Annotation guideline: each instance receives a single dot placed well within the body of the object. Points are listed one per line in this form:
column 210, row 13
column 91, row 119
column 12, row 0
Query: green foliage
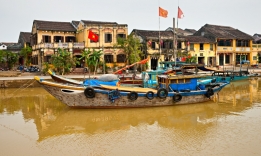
column 26, row 52
column 2, row 56
column 91, row 58
column 94, row 59
column 9, row 58
column 131, row 47
column 191, row 59
column 46, row 67
column 62, row 61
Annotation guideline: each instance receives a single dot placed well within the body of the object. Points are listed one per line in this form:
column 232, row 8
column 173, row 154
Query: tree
column 191, row 59
column 85, row 56
column 94, row 58
column 2, row 56
column 91, row 58
column 26, row 52
column 131, row 47
column 63, row 61
column 11, row 59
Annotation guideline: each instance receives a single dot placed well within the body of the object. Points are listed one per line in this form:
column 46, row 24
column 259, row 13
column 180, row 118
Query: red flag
column 92, row 36
column 149, row 43
column 180, row 13
column 162, row 12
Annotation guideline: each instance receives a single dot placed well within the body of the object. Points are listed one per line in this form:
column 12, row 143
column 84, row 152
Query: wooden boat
column 106, row 79
column 230, row 75
column 171, row 90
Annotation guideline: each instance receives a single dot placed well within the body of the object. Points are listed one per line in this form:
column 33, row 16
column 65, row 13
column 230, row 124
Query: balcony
column 66, row 45
column 243, row 49
column 219, row 48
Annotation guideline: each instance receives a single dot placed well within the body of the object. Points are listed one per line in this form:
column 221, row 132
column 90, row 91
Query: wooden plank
column 134, row 89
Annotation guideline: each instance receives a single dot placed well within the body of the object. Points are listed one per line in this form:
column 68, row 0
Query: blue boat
column 229, row 75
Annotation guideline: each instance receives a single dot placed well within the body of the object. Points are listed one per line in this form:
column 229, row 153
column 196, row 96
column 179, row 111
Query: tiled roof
column 13, row 46
column 225, row 32
column 8, row 43
column 75, row 24
column 25, row 36
column 53, row 25
column 97, row 22
column 197, row 39
column 153, row 33
column 191, row 30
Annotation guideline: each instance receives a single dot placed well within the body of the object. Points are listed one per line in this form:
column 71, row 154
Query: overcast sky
column 18, row 15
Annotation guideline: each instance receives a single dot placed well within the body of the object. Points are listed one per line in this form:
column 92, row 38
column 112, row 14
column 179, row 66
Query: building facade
column 232, row 45
column 107, row 32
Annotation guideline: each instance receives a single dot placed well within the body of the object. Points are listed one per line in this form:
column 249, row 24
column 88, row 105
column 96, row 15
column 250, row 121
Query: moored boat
column 171, row 90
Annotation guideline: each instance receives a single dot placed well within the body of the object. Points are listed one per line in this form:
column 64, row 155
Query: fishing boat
column 230, row 75
column 149, row 76
column 171, row 90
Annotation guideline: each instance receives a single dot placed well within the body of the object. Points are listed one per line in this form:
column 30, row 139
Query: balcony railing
column 224, row 48
column 242, row 48
column 65, row 45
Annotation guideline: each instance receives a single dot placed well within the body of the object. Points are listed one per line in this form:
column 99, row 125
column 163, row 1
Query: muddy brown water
column 32, row 122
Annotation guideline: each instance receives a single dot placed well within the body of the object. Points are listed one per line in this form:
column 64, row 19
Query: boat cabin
column 179, row 83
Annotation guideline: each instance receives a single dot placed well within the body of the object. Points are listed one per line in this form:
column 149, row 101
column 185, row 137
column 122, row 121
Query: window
column 108, row 58
column 153, row 45
column 47, row 59
column 170, row 45
column 201, row 46
column 211, row 47
column 121, row 58
column 70, row 39
column 121, row 36
column 46, row 39
column 224, row 42
column 179, row 45
column 58, row 39
column 166, row 45
column 227, row 60
column 108, row 38
column 191, row 46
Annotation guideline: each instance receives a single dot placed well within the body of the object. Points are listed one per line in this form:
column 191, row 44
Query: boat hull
column 75, row 97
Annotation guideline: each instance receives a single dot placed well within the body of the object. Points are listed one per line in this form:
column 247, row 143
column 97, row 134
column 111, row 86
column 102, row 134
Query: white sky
column 17, row 15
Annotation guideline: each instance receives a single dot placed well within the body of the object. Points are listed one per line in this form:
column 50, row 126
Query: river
column 32, row 122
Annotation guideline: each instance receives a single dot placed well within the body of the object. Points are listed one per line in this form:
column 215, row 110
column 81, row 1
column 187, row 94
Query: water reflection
column 176, row 129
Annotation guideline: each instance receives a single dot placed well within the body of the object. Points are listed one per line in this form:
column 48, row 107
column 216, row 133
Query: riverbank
column 17, row 79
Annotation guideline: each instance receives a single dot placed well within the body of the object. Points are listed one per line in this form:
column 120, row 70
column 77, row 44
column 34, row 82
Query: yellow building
column 48, row 36
column 202, row 48
column 107, row 32
column 232, row 45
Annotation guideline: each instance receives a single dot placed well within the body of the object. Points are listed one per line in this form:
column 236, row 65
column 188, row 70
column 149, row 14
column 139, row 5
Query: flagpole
column 177, row 28
column 174, row 41
column 159, row 36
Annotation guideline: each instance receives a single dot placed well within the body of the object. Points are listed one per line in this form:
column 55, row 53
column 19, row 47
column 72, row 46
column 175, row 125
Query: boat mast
column 174, row 42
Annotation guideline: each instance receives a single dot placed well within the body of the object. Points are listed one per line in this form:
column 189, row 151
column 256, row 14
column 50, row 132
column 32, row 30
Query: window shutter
column 62, row 39
column 106, row 39
column 49, row 38
column 110, row 35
